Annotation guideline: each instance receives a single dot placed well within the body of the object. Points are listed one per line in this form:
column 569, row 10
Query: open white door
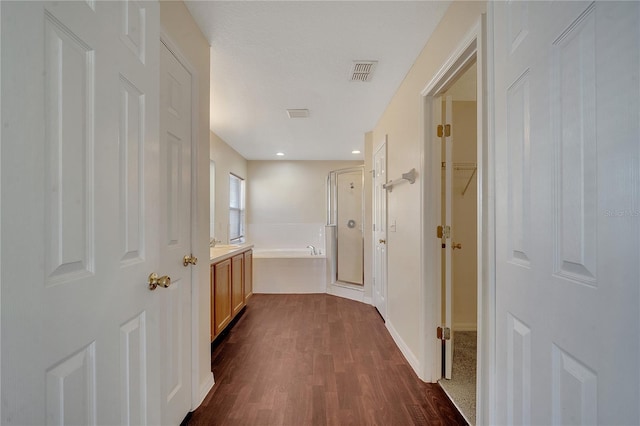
column 80, row 337
column 567, row 218
column 448, row 237
column 380, row 230
column 175, row 236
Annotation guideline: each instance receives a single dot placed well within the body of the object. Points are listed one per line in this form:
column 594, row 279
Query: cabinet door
column 237, row 278
column 221, row 296
column 248, row 274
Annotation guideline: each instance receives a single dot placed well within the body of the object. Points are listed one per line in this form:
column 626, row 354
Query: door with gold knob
column 176, row 259
column 380, row 229
column 79, row 198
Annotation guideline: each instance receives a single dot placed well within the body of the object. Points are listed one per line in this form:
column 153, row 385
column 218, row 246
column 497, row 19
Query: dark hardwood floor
column 316, row 359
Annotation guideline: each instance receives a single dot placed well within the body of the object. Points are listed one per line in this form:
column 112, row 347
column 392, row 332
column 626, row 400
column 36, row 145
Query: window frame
column 237, row 236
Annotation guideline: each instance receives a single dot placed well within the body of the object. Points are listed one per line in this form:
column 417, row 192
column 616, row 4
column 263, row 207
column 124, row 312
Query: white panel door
column 567, row 212
column 175, row 236
column 79, row 179
column 380, row 230
column 447, row 239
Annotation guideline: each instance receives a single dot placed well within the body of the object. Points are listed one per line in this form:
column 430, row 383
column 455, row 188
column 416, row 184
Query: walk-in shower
column 345, row 216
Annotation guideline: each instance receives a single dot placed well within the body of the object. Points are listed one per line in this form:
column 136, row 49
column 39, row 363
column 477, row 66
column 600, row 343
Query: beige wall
column 402, row 121
column 289, row 191
column 227, row 161
column 178, row 25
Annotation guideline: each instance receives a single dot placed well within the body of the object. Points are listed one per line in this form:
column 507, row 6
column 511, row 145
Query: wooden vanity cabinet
column 248, row 274
column 220, row 296
column 231, row 285
column 237, row 275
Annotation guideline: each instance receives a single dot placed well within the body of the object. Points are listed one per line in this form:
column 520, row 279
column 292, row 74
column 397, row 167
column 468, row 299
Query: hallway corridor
column 316, row 359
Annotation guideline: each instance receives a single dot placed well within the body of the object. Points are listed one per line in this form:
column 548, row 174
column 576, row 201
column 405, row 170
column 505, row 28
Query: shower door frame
column 332, row 220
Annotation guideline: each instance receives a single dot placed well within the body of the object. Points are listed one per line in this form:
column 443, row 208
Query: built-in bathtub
column 285, row 270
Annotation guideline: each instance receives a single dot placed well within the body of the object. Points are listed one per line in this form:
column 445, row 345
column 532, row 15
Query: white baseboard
column 346, row 292
column 204, row 391
column 410, row 357
column 368, row 300
column 464, row 326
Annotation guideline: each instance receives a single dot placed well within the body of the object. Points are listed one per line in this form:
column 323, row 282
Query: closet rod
column 472, row 175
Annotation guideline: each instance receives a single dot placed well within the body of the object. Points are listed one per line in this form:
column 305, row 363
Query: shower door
column 347, row 210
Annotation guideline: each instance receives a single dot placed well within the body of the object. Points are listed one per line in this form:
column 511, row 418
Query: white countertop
column 224, row 251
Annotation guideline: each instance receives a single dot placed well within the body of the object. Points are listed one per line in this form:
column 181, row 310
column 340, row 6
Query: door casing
column 472, row 47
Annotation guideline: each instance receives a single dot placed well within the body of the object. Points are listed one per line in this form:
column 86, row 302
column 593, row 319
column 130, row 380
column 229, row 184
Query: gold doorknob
column 189, row 259
column 155, row 281
column 382, row 241
column 456, row 246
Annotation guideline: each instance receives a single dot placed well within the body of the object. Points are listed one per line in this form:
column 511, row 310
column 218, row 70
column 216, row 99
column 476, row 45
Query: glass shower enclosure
column 345, row 218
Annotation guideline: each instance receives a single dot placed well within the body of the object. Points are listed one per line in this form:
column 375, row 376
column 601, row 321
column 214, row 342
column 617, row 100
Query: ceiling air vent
column 298, row 113
column 362, row 70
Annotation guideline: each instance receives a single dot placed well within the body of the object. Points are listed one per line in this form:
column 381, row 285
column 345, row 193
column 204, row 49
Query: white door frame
column 1, row 142
column 473, row 45
column 197, row 393
column 376, row 269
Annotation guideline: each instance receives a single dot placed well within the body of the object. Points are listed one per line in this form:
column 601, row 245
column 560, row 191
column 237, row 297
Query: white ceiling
column 268, row 56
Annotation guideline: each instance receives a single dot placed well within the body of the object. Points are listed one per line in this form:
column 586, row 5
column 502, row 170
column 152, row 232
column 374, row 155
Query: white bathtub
column 288, row 271
column 286, row 253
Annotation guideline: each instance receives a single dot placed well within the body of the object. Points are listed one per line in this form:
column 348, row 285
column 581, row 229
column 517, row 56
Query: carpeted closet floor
column 462, row 386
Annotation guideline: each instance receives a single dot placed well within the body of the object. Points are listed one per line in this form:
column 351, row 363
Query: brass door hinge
column 443, row 130
column 443, row 231
column 443, row 333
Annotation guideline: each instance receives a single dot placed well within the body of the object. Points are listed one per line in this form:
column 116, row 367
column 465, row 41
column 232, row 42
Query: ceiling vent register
column 362, row 70
column 298, row 113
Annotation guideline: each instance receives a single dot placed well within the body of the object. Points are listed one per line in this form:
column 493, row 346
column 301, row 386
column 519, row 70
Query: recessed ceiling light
column 279, row 154
column 355, row 151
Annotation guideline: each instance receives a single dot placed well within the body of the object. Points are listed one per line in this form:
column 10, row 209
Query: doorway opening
column 459, row 260
column 458, row 293
column 345, row 218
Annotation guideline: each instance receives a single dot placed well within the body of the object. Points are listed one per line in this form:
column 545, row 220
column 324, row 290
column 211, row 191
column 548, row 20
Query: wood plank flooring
column 316, row 359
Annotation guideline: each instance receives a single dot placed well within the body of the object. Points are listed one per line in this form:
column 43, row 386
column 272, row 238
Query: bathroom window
column 236, row 209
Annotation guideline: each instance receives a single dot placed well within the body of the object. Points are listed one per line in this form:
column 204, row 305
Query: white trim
column 459, row 57
column 1, row 125
column 474, row 44
column 430, row 313
column 368, row 300
column 196, row 389
column 205, row 388
column 377, row 147
column 356, row 294
column 404, row 348
column 464, row 326
column 486, row 376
